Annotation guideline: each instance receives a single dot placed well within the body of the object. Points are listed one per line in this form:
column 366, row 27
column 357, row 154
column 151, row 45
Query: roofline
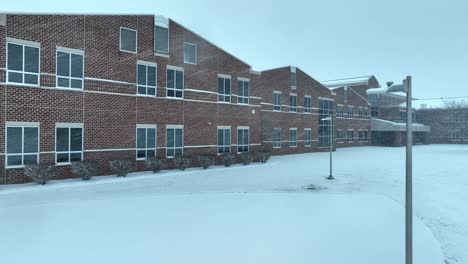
column 75, row 14
column 366, row 76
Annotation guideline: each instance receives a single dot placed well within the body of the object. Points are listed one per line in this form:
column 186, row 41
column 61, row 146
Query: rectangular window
column 224, row 88
column 350, row 136
column 128, row 40
column 276, row 101
column 339, row 111
column 307, row 104
column 277, row 138
column 366, row 135
column 22, row 64
column 68, row 143
column 366, row 113
column 69, row 69
column 243, row 92
column 146, row 141
column 340, row 136
column 146, row 78
column 242, row 139
column 174, row 83
column 161, row 39
column 292, row 103
column 293, row 137
column 350, row 111
column 293, row 78
column 307, row 137
column 22, row 145
column 360, row 113
column 374, row 111
column 345, row 94
column 190, row 53
column 174, row 141
column 325, row 125
column 224, row 140
column 360, row 135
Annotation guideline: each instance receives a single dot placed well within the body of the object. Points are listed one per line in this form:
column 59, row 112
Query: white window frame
column 224, row 128
column 293, row 70
column 23, row 43
column 366, row 135
column 224, row 94
column 360, row 135
column 292, row 109
column 175, row 69
column 146, row 127
column 243, row 143
column 277, row 144
column 307, row 109
column 22, row 125
column 70, row 78
column 340, row 114
column 162, row 23
column 350, row 111
column 243, row 96
column 340, row 136
column 196, row 53
column 174, row 147
column 274, row 105
column 350, row 139
column 292, row 144
column 307, row 143
column 136, row 40
column 148, row 64
column 69, row 152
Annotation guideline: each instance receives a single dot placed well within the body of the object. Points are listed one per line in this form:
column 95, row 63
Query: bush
column 206, row 161
column 40, row 173
column 228, row 159
column 182, row 162
column 264, row 156
column 85, row 169
column 121, row 167
column 155, row 164
column 246, row 158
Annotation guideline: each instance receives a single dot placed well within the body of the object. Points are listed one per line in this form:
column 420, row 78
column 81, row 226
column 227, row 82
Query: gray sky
column 329, row 39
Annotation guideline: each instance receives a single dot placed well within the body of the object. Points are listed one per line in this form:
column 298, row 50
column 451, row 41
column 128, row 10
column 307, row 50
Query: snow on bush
column 121, row 167
column 155, row 164
column 182, row 162
column 264, row 156
column 228, row 159
column 85, row 169
column 246, row 158
column 206, row 161
column 39, row 173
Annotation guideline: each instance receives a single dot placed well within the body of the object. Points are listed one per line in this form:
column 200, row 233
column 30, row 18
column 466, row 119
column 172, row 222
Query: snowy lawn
column 245, row 214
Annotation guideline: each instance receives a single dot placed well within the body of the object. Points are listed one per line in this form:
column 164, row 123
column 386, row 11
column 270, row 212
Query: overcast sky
column 329, row 39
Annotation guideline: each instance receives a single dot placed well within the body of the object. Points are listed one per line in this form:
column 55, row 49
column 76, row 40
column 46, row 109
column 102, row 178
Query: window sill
column 128, row 51
column 145, row 95
column 63, row 164
column 68, row 89
column 161, row 54
column 191, row 63
column 14, row 167
column 22, row 84
column 174, row 98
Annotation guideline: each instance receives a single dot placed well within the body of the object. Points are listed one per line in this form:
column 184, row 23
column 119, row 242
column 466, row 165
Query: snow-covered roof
column 437, row 103
column 386, row 125
column 348, row 81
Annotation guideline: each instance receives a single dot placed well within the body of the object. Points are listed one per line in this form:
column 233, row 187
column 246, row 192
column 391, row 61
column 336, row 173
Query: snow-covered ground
column 214, row 210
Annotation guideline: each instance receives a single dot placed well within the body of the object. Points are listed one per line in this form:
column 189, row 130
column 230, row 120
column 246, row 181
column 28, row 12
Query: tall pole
column 409, row 173
column 330, row 177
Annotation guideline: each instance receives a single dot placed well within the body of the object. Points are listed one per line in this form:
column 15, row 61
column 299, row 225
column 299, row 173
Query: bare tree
column 455, row 119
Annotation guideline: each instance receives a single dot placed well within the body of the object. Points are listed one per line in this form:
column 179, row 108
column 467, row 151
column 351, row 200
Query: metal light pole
column 330, row 118
column 407, row 88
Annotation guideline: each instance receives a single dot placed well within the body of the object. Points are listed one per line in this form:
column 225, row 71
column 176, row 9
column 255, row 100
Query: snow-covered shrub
column 264, row 156
column 85, row 169
column 155, row 164
column 228, row 159
column 206, row 161
column 182, row 162
column 121, row 167
column 246, row 158
column 40, row 173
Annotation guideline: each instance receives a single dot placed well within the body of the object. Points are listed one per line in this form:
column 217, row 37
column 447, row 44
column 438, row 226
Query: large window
column 243, row 91
column 70, row 69
column 190, row 53
column 128, row 40
column 224, row 139
column 147, row 74
column 339, row 111
column 366, row 135
column 242, row 139
column 161, row 39
column 324, row 125
column 307, row 137
column 340, row 136
column 174, row 141
column 292, row 103
column 22, row 144
column 23, row 63
column 350, row 135
column 224, row 88
column 175, row 83
column 307, row 104
column 277, row 138
column 146, row 141
column 293, row 137
column 68, row 142
column 360, row 113
column 276, row 101
column 360, row 135
column 293, row 78
column 350, row 111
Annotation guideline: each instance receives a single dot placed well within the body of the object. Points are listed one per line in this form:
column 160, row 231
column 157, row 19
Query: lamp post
column 330, row 119
column 405, row 87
